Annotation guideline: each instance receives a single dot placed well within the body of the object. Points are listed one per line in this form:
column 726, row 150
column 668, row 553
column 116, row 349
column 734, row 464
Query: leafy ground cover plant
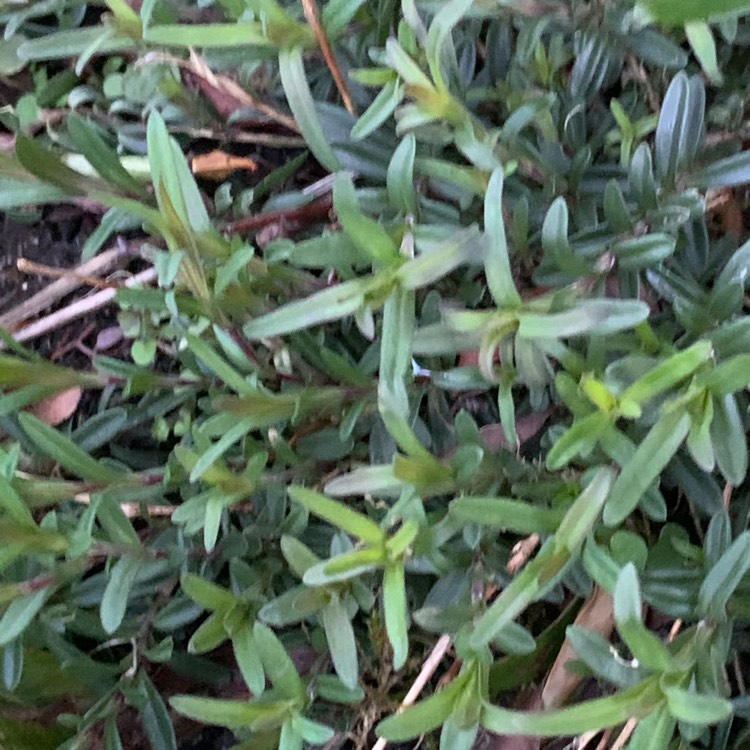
column 433, row 427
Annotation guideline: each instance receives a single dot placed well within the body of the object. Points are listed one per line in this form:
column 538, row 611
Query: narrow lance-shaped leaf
column 400, row 177
column 643, row 644
column 723, row 578
column 542, row 571
column 20, row 613
column 155, row 718
column 728, row 439
column 368, row 235
column 339, row 515
column 650, row 458
column 248, row 658
column 396, row 615
column 593, row 316
column 117, row 592
column 668, row 373
column 297, row 90
column 60, row 448
column 424, row 716
column 588, row 716
column 231, row 714
column 686, row 705
column 497, row 263
column 578, row 439
column 337, row 302
column 206, row 593
column 671, row 13
column 507, row 514
column 341, row 641
column 277, row 664
column 680, row 129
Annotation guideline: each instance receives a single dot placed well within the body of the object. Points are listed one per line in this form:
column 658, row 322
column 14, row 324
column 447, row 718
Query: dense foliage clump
column 429, row 371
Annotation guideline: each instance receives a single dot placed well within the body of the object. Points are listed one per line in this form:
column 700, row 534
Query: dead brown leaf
column 494, row 438
column 597, row 615
column 218, row 165
column 58, row 407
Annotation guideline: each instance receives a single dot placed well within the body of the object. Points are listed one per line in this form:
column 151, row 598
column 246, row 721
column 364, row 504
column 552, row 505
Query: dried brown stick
column 314, row 211
column 310, row 9
column 56, row 290
column 31, row 268
column 428, row 669
column 78, row 308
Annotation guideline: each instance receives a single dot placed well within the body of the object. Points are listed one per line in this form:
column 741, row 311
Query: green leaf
column 297, row 90
column 207, row 459
column 728, row 172
column 643, row 644
column 668, row 373
column 73, row 42
column 381, row 108
column 641, row 179
column 656, row 730
column 312, row 731
column 727, row 377
column 394, row 608
column 341, row 641
column 20, row 613
column 102, row 158
column 289, row 738
column 423, row 716
column 723, row 578
column 117, row 592
column 155, row 717
column 598, row 655
column 671, row 13
column 543, row 570
column 438, row 44
column 277, row 664
column 583, row 514
column 592, row 316
column 207, row 35
column 463, row 247
column 588, row 716
column 299, row 556
column 232, row 714
column 695, row 708
column 704, row 47
column 219, row 366
column 578, row 439
column 637, row 253
column 650, row 458
column 293, row 605
column 506, row 514
column 207, row 594
column 209, row 635
column 680, row 131
column 65, row 452
column 368, row 235
column 248, row 659
column 45, row 165
column 13, row 506
column 400, row 177
column 497, row 263
column 334, row 303
column 175, row 187
column 728, row 439
column 339, row 515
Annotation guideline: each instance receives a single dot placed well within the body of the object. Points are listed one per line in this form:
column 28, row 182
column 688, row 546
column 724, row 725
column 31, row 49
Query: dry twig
column 428, row 669
column 310, row 9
